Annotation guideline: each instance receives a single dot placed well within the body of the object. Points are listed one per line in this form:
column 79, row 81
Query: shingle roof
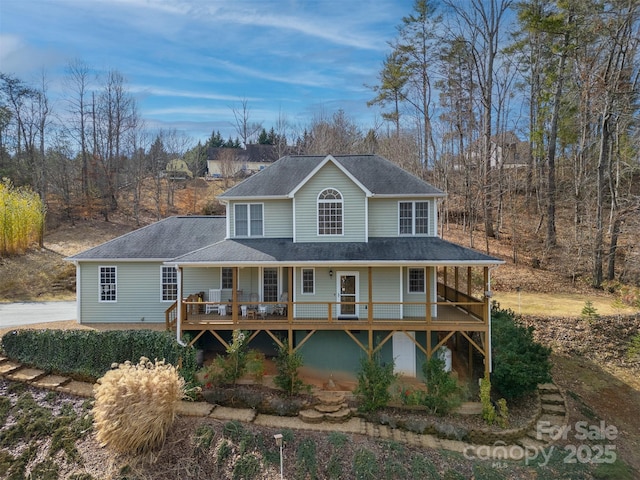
column 163, row 240
column 378, row 175
column 424, row 250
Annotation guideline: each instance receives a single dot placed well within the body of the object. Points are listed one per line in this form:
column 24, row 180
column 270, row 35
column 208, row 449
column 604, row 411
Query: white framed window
column 226, row 278
column 330, row 212
column 270, row 285
column 248, row 220
column 413, row 218
column 308, row 281
column 416, row 280
column 108, row 284
column 169, row 284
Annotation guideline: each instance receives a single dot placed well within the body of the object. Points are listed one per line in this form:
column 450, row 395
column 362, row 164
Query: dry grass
column 136, row 404
column 559, row 304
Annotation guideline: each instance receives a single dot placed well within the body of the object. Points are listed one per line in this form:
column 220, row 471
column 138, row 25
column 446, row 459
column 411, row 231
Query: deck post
column 370, row 313
column 234, row 295
column 456, row 278
column 469, row 281
column 428, row 293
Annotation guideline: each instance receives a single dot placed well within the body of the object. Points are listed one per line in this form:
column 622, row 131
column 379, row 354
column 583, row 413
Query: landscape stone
column 26, row 374
column 239, row 414
column 311, row 416
column 8, row 367
column 80, row 389
column 51, row 381
column 339, row 416
column 553, row 409
column 555, row 398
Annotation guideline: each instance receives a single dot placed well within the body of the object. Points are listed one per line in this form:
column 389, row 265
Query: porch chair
column 251, row 309
column 214, row 296
column 281, row 306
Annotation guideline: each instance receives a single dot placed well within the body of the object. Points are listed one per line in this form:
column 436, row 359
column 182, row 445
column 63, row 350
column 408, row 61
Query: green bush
column 90, row 353
column 287, row 377
column 488, row 410
column 374, row 380
column 519, row 362
column 443, row 392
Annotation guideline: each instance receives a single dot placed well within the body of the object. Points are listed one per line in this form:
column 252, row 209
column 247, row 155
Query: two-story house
column 333, row 256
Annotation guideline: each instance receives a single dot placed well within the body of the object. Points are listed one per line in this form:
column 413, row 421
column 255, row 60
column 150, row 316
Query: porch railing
column 468, row 310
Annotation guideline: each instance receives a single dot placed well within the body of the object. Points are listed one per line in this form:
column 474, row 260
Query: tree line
column 505, row 105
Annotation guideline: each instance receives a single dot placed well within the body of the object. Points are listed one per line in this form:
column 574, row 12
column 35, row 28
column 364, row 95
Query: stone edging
column 513, row 444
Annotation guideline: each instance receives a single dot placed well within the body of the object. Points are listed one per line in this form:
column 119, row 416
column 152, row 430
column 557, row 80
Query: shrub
column 589, row 311
column 519, row 362
column 287, row 377
column 228, row 369
column 443, row 392
column 503, row 413
column 374, row 380
column 634, row 347
column 255, row 365
column 135, row 404
column 488, row 410
column 306, row 460
column 90, row 353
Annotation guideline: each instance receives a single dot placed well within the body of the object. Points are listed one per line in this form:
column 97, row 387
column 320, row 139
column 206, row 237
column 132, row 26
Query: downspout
column 179, row 317
column 489, row 295
column 78, row 291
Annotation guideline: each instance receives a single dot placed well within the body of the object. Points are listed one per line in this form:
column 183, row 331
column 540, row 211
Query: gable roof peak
column 374, row 174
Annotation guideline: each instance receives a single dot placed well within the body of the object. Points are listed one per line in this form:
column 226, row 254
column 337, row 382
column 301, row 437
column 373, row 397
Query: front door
column 347, row 294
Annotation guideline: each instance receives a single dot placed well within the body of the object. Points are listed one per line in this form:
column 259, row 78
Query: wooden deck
column 468, row 316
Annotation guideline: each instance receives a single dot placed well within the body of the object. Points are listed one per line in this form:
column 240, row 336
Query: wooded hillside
column 526, row 113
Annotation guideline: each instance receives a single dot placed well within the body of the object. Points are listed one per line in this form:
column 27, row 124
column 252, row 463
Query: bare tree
column 77, row 84
column 482, row 23
column 245, row 128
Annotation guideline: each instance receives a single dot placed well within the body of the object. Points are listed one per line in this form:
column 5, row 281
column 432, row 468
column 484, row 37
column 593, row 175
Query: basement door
column 404, row 354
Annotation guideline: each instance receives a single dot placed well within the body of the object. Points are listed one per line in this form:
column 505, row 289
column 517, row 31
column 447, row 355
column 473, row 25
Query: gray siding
column 384, row 216
column 138, row 294
column 354, row 207
column 278, row 218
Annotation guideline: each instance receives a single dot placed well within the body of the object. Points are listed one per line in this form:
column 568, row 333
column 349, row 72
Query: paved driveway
column 28, row 313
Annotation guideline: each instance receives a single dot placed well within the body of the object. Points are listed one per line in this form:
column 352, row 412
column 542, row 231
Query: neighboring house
column 333, row 256
column 239, row 162
column 507, row 152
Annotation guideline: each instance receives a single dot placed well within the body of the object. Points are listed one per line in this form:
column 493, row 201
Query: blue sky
column 189, row 62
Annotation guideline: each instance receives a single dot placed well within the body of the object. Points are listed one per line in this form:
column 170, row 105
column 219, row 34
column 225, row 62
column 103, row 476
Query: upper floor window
column 248, row 220
column 414, row 218
column 330, row 212
column 108, row 286
column 169, row 284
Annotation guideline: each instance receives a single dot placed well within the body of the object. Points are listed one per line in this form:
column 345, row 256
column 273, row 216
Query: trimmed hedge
column 90, row 353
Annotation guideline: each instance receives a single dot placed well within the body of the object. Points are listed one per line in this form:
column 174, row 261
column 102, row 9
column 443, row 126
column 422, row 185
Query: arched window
column 330, row 212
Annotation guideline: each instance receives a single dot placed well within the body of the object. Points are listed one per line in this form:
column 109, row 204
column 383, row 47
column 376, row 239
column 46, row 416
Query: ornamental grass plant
column 135, row 405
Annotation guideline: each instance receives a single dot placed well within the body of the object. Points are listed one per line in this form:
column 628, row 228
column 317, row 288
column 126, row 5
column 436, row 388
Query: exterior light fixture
column 331, row 273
